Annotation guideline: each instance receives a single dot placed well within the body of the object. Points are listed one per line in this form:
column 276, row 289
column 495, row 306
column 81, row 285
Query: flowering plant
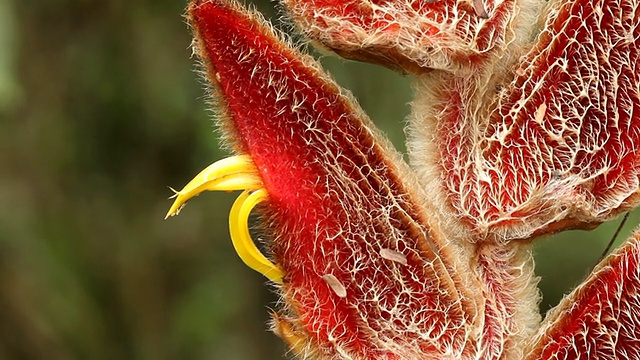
column 525, row 122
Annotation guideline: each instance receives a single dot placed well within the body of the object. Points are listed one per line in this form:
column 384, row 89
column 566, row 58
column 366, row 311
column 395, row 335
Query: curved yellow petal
column 232, row 173
column 241, row 238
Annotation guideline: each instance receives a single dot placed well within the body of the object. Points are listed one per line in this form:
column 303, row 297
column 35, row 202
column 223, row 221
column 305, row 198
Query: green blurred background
column 100, row 112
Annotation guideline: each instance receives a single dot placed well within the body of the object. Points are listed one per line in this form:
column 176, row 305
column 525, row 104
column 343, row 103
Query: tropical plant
column 525, row 122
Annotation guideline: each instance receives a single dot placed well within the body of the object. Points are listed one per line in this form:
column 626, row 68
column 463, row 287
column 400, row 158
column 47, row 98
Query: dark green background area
column 100, row 112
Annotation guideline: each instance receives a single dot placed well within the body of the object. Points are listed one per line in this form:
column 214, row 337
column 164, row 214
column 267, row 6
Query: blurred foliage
column 99, row 112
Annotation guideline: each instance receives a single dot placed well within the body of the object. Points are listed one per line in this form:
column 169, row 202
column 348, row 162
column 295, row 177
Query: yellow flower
column 234, row 173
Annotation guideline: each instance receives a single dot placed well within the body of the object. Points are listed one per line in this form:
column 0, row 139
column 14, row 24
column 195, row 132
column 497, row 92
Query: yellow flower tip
column 232, row 173
column 173, row 210
column 179, row 202
column 241, row 238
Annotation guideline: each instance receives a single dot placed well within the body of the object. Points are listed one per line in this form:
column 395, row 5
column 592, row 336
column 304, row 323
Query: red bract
column 556, row 145
column 337, row 202
column 514, row 133
column 414, row 35
column 599, row 320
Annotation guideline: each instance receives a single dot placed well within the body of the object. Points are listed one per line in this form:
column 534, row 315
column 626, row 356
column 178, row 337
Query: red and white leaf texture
column 526, row 122
column 546, row 142
column 414, row 36
column 337, row 203
column 600, row 318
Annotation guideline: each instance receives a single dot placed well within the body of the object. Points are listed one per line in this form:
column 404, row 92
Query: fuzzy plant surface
column 525, row 122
